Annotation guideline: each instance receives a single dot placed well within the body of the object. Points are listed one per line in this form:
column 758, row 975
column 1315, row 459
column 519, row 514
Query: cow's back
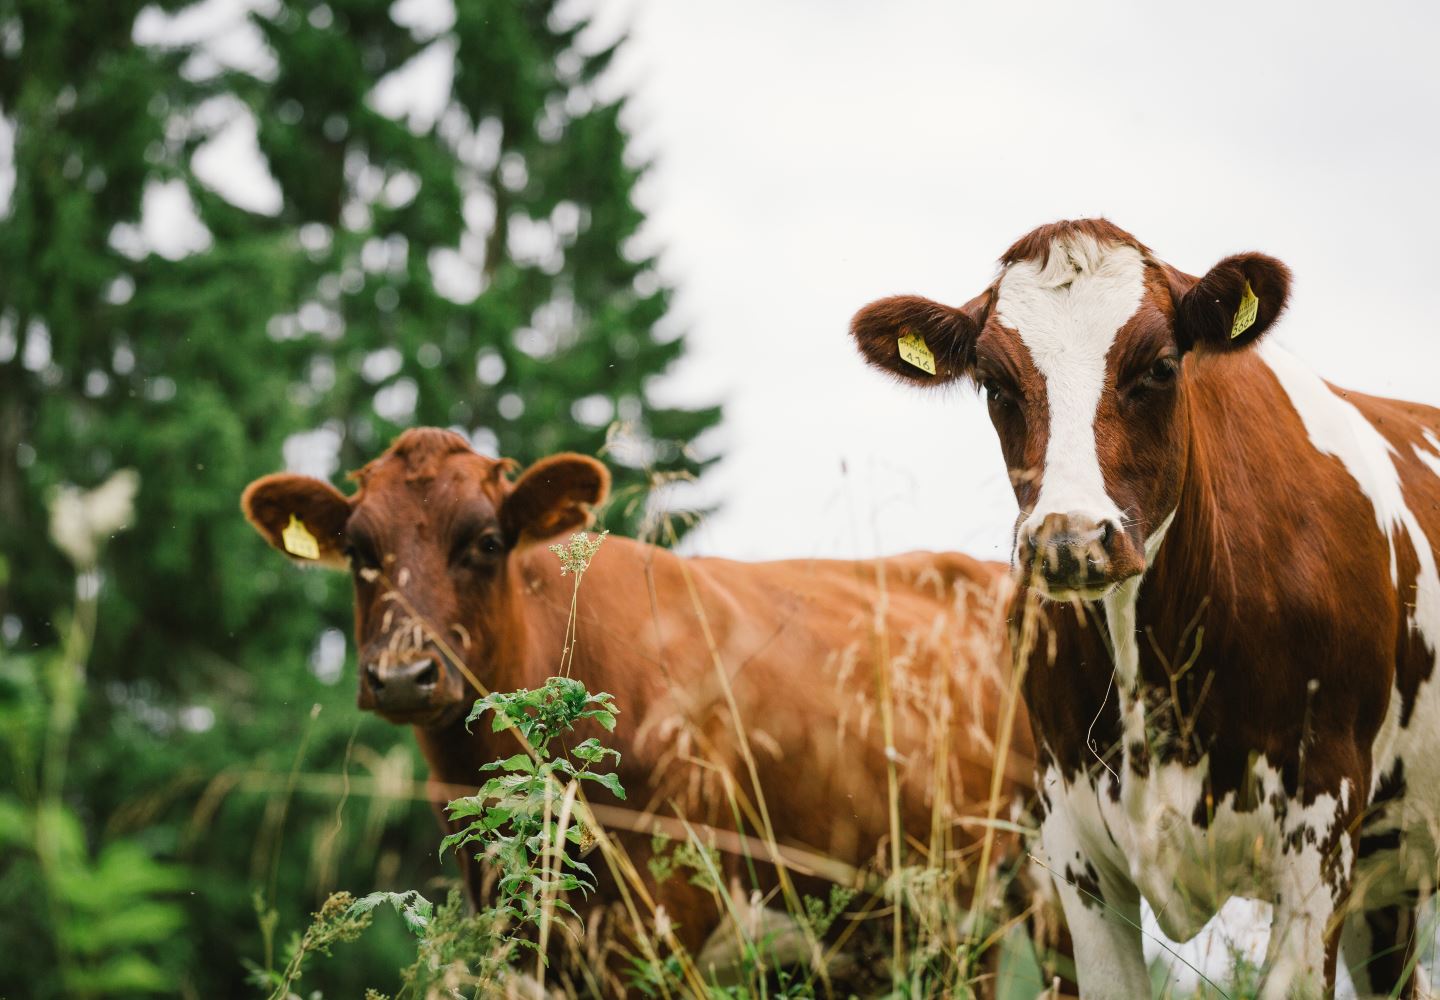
column 812, row 650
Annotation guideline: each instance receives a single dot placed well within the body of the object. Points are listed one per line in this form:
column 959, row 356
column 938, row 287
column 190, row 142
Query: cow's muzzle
column 1073, row 555
column 402, row 691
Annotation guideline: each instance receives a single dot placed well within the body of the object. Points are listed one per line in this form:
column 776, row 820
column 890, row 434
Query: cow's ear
column 555, row 494
column 300, row 516
column 919, row 340
column 1234, row 304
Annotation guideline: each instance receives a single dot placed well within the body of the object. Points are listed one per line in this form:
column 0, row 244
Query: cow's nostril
column 1107, row 534
column 428, row 676
column 372, row 674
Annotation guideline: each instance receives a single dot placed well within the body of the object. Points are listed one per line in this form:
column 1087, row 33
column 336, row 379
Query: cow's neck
column 523, row 644
column 1193, row 594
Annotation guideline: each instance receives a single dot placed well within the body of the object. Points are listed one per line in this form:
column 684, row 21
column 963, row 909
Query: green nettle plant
column 522, row 815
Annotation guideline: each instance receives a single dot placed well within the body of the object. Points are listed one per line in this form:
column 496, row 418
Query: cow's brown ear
column 301, row 516
column 555, row 494
column 919, row 340
column 1234, row 304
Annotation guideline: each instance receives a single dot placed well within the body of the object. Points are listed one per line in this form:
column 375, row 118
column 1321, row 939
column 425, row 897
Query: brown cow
column 444, row 551
column 1235, row 691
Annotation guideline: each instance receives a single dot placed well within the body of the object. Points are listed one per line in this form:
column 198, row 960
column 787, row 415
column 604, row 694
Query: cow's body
column 798, row 644
column 1313, row 721
column 455, row 588
column 1238, row 697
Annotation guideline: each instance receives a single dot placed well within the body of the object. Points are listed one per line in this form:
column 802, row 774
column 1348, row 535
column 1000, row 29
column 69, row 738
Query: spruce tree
column 474, row 271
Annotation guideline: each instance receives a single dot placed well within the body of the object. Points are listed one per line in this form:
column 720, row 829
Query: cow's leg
column 1312, row 884
column 1379, row 945
column 1102, row 907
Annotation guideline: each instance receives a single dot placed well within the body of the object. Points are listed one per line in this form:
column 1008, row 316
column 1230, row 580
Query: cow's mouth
column 1061, row 593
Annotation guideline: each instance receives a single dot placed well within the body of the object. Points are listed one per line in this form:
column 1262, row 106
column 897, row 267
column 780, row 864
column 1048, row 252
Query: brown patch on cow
column 1404, row 425
column 1037, row 244
column 420, row 451
column 1087, row 880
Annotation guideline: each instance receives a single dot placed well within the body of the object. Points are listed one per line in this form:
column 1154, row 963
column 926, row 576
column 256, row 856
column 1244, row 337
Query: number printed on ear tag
column 914, row 351
column 298, row 540
column 1245, row 315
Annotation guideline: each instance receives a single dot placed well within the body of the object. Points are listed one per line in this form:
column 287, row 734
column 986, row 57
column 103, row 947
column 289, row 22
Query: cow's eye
column 481, row 550
column 1161, row 374
column 360, row 555
column 996, row 392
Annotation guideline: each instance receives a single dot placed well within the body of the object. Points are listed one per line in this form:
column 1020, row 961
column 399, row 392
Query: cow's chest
column 1144, row 828
column 1152, row 830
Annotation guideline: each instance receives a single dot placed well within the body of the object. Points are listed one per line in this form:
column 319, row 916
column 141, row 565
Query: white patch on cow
column 1431, row 458
column 1109, row 957
column 1067, row 313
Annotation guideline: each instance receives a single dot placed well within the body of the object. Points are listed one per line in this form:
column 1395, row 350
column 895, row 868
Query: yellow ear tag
column 1245, row 315
column 298, row 540
column 914, row 351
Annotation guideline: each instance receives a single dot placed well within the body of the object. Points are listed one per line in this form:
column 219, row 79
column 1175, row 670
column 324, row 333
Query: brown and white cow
column 1233, row 693
column 444, row 550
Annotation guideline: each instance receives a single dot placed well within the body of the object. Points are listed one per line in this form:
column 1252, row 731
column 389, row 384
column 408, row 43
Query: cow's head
column 429, row 538
column 1081, row 345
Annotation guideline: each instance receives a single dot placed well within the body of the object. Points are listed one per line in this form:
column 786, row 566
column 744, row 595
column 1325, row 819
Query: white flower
column 82, row 521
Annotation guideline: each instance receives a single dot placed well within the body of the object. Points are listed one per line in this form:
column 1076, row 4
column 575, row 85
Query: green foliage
column 515, row 818
column 325, row 317
column 340, row 920
column 104, row 914
column 414, row 909
column 671, row 858
column 822, row 913
column 517, row 822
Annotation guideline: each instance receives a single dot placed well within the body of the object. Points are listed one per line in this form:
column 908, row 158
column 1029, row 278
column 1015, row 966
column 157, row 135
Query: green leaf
column 591, row 751
column 517, row 762
column 414, row 909
column 610, row 781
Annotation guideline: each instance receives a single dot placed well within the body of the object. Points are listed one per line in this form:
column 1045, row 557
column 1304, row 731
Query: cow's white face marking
column 1067, row 313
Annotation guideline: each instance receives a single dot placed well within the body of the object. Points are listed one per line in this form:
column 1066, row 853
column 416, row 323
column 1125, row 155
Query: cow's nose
column 1072, row 552
column 405, row 686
